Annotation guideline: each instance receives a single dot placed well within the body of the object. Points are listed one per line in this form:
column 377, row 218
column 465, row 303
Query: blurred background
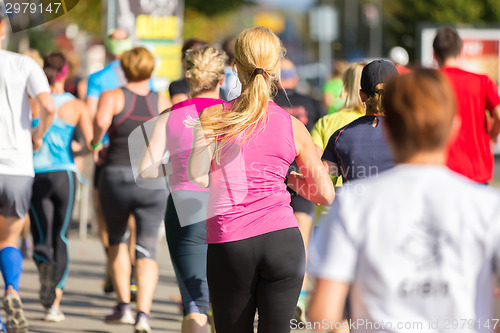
column 315, row 33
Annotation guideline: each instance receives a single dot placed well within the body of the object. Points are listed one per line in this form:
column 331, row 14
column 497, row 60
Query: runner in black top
column 302, row 107
column 120, row 112
column 360, row 150
column 308, row 111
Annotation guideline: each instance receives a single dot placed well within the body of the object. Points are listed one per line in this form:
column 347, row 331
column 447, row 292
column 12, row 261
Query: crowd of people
column 240, row 166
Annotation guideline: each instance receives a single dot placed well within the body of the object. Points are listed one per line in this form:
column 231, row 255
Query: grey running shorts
column 15, row 195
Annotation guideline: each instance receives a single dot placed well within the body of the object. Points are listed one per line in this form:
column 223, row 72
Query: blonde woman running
column 255, row 255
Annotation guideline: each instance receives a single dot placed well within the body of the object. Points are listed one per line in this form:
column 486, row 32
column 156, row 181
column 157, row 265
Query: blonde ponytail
column 258, row 53
column 352, row 83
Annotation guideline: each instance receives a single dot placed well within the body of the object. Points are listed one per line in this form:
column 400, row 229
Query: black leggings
column 119, row 197
column 50, row 213
column 263, row 273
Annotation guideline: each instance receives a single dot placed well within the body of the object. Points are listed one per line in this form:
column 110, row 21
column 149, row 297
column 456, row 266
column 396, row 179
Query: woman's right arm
column 152, row 159
column 313, row 183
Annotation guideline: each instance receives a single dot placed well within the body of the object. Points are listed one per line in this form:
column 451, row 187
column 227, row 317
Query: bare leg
column 101, row 223
column 305, row 225
column 10, row 230
column 26, row 244
column 146, row 271
column 26, row 229
column 133, row 236
column 57, row 301
column 102, row 232
column 195, row 323
column 119, row 263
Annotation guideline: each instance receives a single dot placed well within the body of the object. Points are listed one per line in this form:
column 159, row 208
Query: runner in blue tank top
column 54, row 188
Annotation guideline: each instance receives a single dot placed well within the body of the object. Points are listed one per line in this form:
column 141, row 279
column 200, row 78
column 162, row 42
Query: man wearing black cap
column 359, row 150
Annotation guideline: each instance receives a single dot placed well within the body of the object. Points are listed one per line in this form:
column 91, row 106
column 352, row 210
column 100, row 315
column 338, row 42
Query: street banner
column 156, row 25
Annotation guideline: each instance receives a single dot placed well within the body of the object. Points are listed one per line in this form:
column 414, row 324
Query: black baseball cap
column 377, row 71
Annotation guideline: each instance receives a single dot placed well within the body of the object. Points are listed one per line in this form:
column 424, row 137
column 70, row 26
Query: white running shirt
column 20, row 76
column 420, row 246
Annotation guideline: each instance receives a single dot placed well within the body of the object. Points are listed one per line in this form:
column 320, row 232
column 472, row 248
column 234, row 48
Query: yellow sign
column 272, row 20
column 169, row 64
column 157, row 27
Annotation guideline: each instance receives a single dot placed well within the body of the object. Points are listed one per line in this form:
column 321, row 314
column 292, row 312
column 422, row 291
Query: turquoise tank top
column 55, row 153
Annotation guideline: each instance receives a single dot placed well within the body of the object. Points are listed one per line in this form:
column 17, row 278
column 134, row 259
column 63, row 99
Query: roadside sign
column 323, row 23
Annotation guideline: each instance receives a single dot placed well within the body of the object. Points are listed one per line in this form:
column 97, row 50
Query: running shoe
column 122, row 315
column 47, row 284
column 300, row 310
column 16, row 321
column 54, row 315
column 142, row 324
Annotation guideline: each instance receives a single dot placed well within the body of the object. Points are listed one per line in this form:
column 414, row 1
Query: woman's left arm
column 104, row 116
column 202, row 150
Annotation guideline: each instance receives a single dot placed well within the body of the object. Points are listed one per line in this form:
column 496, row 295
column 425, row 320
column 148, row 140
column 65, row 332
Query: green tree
column 209, row 28
column 403, row 17
column 215, row 7
column 88, row 15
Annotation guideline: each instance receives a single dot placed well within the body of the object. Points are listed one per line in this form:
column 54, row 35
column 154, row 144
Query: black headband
column 258, row 71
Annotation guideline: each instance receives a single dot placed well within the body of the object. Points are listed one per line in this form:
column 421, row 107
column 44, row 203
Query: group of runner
column 237, row 215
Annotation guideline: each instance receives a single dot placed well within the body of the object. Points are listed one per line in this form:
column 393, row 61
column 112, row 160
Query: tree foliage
column 207, row 28
column 215, row 7
column 88, row 15
column 403, row 17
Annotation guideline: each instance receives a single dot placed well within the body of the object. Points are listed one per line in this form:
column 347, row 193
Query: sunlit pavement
column 84, row 302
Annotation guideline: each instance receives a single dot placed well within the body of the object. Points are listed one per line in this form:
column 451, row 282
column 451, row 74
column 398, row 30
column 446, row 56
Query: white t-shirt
column 20, row 76
column 419, row 246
